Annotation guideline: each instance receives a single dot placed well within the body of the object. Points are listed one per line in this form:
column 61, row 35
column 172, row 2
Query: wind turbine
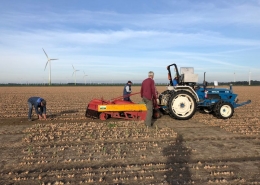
column 84, row 76
column 48, row 61
column 249, row 81
column 74, row 73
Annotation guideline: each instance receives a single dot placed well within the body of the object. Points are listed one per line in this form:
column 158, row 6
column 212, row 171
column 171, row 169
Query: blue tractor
column 181, row 101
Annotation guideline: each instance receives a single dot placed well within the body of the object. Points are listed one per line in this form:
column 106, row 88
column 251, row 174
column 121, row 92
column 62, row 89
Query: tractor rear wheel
column 182, row 105
column 224, row 110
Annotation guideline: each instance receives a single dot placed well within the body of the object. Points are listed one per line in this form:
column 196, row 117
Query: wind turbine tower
column 48, row 62
column 84, row 76
column 249, row 80
column 74, row 73
column 234, row 77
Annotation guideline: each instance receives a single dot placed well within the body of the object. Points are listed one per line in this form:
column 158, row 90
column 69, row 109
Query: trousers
column 149, row 114
column 30, row 105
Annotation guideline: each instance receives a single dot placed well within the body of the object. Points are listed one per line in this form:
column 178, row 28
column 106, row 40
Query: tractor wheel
column 182, row 105
column 224, row 110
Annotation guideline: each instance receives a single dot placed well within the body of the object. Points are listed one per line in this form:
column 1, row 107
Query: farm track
column 72, row 149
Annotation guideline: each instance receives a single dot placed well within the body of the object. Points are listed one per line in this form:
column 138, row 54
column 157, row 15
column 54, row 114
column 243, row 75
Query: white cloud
column 219, row 34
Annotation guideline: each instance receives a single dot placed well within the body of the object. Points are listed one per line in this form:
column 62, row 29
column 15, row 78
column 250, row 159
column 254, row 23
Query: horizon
column 252, row 82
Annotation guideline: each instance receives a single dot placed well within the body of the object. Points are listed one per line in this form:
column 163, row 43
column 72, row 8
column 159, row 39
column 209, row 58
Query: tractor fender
column 189, row 89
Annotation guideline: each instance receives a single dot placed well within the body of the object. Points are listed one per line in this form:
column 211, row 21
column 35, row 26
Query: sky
column 113, row 41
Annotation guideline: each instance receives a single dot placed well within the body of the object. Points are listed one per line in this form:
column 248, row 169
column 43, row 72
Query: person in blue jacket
column 39, row 105
column 127, row 91
column 175, row 81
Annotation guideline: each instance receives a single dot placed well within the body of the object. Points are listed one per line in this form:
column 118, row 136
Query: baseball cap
column 129, row 82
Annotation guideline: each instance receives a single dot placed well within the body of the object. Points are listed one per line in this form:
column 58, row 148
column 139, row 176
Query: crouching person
column 39, row 105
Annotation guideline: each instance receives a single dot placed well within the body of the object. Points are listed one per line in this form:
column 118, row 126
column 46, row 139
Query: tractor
column 183, row 100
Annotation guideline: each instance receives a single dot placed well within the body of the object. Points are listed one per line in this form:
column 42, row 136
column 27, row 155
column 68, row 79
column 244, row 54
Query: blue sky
column 117, row 41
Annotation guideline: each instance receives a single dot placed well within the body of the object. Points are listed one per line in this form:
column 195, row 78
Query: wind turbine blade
column 73, row 68
column 46, row 64
column 45, row 54
column 54, row 59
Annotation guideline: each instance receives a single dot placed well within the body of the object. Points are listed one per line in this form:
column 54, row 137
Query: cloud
column 206, row 35
column 176, row 16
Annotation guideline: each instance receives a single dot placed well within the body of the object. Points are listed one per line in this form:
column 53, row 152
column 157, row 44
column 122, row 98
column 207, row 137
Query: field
column 69, row 148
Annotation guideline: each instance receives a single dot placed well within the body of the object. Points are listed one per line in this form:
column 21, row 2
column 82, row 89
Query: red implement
column 116, row 108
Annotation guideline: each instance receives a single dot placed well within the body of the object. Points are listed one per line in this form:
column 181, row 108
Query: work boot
column 29, row 119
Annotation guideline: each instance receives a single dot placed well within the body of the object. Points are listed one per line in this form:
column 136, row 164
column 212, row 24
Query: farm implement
column 116, row 108
column 178, row 101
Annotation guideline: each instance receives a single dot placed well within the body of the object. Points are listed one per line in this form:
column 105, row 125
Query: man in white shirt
column 127, row 91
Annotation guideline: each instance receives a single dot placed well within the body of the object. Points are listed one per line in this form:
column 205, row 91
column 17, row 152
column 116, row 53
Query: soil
column 69, row 148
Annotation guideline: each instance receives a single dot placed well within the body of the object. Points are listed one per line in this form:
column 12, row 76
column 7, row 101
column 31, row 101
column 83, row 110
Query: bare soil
column 69, row 148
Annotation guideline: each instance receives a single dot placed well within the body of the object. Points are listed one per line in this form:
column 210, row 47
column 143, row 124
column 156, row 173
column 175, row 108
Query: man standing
column 127, row 91
column 37, row 102
column 148, row 93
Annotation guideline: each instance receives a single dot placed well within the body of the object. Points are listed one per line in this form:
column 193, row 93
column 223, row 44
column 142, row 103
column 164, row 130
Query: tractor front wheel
column 182, row 105
column 224, row 110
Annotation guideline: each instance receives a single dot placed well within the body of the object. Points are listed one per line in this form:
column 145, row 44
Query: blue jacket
column 175, row 82
column 36, row 102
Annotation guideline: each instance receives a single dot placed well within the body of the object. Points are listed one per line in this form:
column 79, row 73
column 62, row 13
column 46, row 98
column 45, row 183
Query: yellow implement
column 124, row 107
column 116, row 108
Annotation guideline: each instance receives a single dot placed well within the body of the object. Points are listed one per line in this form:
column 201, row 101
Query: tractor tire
column 182, row 105
column 224, row 110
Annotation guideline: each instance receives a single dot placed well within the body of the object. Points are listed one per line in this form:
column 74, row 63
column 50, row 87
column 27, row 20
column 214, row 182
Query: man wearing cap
column 37, row 102
column 127, row 91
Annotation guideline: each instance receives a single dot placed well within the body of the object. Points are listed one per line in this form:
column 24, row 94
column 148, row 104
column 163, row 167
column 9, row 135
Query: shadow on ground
column 177, row 162
column 62, row 112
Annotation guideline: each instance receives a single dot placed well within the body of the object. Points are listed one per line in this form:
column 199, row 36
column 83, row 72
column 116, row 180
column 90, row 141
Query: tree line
column 237, row 83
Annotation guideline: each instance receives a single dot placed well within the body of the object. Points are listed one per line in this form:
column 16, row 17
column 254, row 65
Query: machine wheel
column 182, row 105
column 224, row 110
column 103, row 116
column 156, row 113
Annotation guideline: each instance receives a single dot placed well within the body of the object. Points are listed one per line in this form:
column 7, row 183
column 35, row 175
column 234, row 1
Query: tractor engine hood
column 218, row 90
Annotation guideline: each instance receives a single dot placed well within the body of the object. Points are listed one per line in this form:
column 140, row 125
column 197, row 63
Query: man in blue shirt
column 175, row 81
column 37, row 102
column 127, row 91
